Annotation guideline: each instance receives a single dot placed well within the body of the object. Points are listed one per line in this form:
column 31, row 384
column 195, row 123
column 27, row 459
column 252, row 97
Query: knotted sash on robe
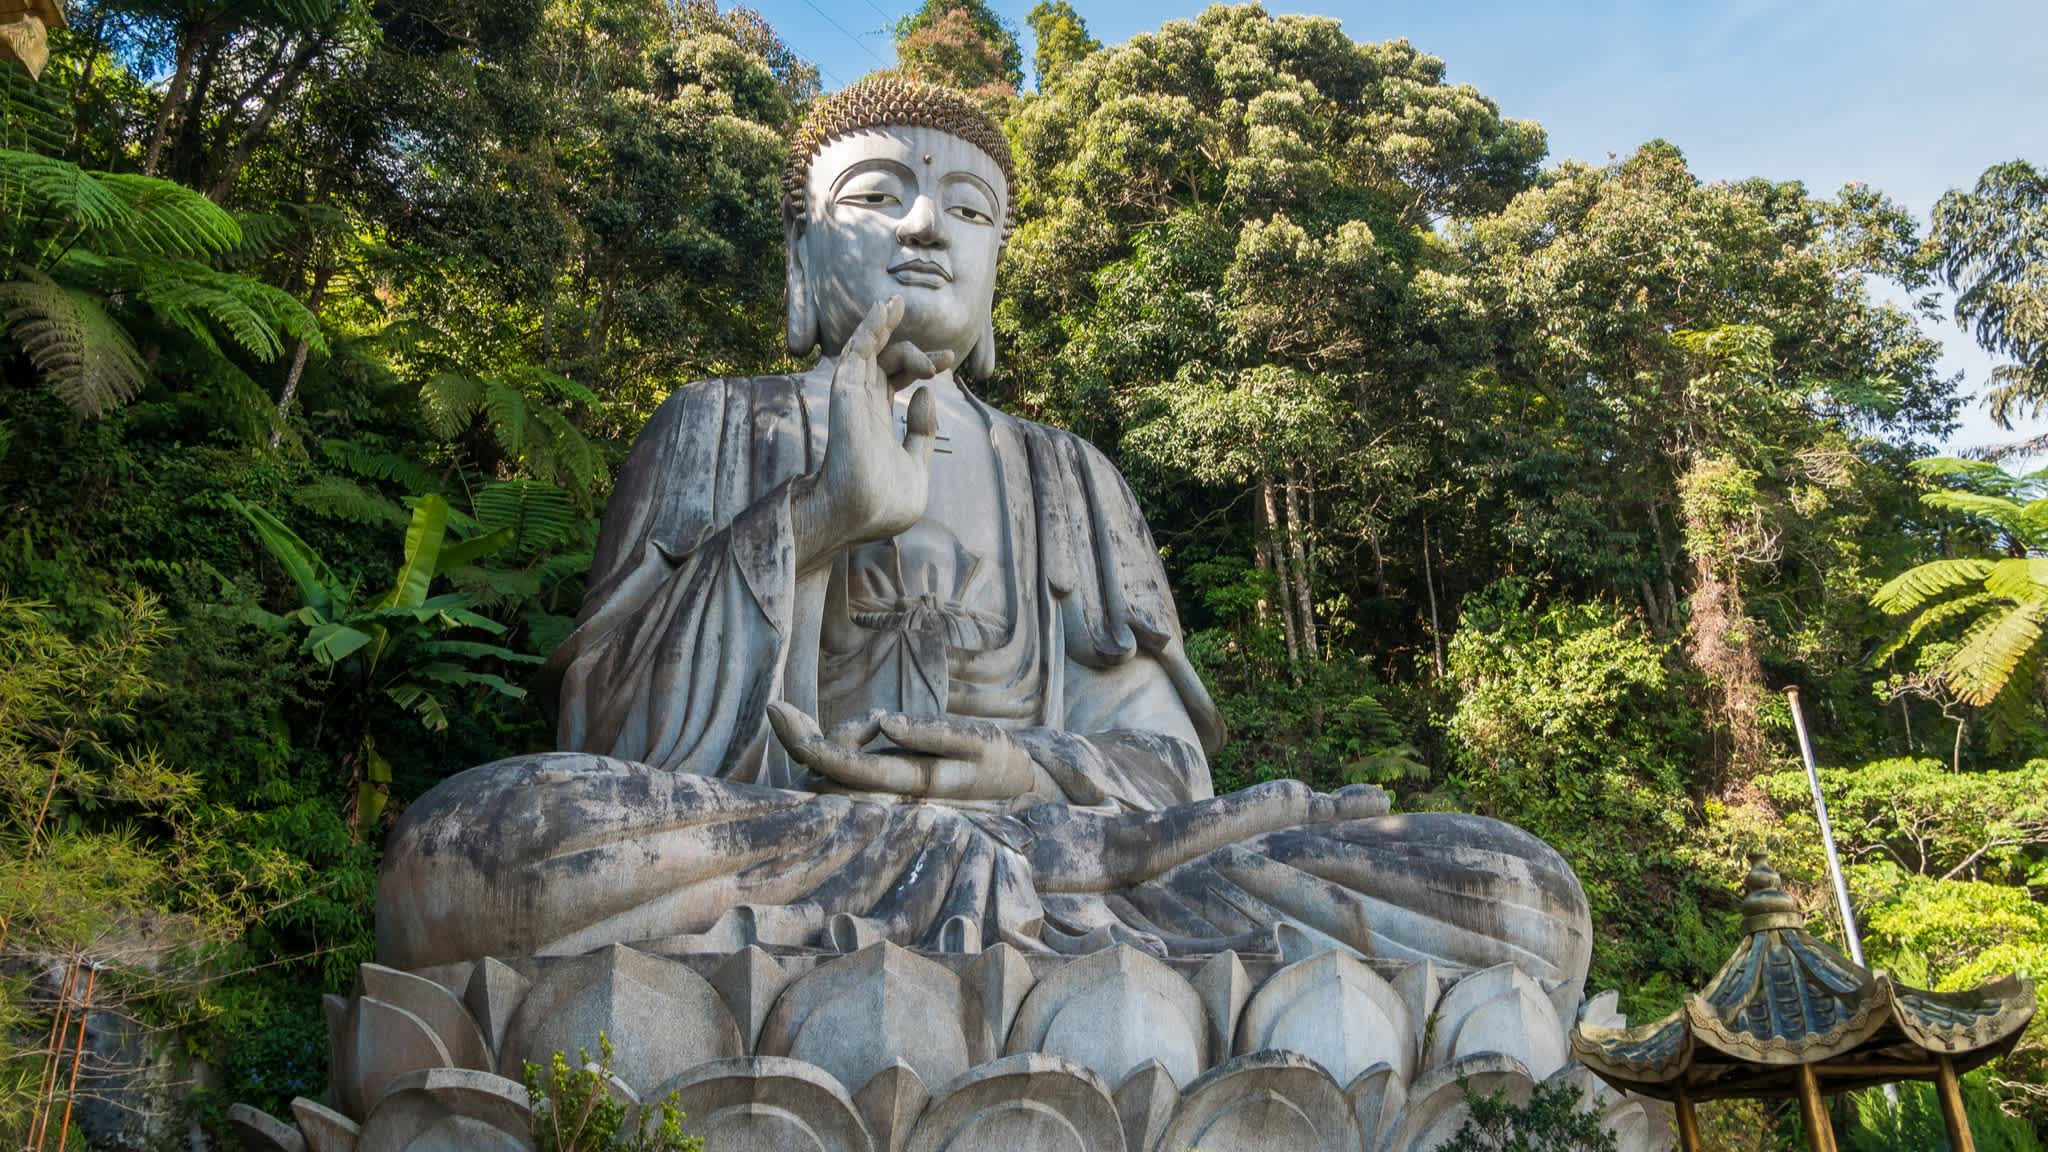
column 672, row 815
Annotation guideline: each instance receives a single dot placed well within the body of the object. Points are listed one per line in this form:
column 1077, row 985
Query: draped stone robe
column 673, row 815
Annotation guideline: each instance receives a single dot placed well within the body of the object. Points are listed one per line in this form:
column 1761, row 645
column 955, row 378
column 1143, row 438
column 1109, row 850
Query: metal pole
column 1827, row 834
column 1688, row 1121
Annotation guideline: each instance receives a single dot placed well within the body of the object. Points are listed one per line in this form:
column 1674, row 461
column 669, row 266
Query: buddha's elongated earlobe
column 981, row 361
column 801, row 315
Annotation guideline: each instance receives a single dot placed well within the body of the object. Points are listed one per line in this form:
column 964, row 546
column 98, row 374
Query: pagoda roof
column 1786, row 999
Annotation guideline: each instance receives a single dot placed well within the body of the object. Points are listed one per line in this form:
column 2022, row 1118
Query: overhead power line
column 843, row 32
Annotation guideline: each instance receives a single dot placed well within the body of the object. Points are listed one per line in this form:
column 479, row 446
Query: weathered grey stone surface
column 864, row 659
column 851, row 1046
column 882, row 759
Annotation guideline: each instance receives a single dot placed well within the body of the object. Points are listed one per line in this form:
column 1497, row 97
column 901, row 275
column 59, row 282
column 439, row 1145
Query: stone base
column 889, row 1050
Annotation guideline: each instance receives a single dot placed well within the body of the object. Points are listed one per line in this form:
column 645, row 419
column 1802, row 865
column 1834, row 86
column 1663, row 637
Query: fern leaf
column 374, row 463
column 166, row 219
column 2019, row 578
column 508, row 412
column 82, row 352
column 539, row 515
column 1916, row 586
column 347, row 500
column 48, row 186
column 1946, row 612
column 572, row 458
column 1992, row 650
column 449, row 401
column 2005, row 513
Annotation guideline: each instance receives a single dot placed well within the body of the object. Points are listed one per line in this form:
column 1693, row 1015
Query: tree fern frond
column 2019, row 578
column 508, row 412
column 1916, row 586
column 49, row 186
column 1978, row 475
column 82, row 352
column 1992, row 650
column 532, row 378
column 1946, row 612
column 573, row 459
column 449, row 401
column 35, row 115
column 375, row 463
column 166, row 219
column 539, row 515
column 1999, row 510
column 346, row 500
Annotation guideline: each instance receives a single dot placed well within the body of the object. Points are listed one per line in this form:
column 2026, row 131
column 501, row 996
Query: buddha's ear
column 981, row 359
column 802, row 312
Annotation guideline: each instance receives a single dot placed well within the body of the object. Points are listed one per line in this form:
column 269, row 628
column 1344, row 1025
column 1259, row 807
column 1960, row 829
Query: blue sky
column 1911, row 97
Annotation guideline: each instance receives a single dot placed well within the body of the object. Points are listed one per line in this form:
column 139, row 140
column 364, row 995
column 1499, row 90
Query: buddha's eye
column 870, row 199
column 971, row 215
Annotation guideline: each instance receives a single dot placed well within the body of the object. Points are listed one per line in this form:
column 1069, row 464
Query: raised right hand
column 870, row 486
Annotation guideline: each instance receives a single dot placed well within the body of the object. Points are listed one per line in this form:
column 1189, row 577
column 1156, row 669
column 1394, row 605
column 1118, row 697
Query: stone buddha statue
column 864, row 658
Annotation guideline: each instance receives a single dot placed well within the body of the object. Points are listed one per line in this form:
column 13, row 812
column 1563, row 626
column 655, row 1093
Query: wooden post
column 1688, row 1123
column 1820, row 1131
column 1951, row 1091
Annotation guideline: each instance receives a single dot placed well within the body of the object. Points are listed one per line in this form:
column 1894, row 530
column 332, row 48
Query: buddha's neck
column 944, row 387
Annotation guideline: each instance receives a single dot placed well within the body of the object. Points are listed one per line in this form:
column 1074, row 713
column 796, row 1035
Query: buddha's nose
column 920, row 225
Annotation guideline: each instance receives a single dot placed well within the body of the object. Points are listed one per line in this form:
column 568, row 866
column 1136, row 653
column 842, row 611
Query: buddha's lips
column 925, row 266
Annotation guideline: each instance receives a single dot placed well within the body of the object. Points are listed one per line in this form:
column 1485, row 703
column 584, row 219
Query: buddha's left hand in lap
column 943, row 758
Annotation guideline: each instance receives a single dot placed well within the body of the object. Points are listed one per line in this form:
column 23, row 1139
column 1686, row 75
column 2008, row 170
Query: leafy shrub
column 1552, row 1121
column 574, row 1111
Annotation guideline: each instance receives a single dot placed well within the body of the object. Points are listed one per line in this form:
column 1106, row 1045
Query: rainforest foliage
column 1514, row 487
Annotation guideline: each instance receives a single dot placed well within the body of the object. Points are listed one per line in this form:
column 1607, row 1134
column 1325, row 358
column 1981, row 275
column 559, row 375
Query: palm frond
column 1917, row 585
column 84, row 355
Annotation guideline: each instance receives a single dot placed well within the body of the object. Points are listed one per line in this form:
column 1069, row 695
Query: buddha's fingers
column 1001, row 768
column 872, row 336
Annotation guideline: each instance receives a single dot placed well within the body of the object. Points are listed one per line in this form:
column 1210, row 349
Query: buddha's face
column 902, row 211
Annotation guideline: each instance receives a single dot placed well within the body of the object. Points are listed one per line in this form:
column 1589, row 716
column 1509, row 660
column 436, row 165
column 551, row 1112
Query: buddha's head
column 896, row 188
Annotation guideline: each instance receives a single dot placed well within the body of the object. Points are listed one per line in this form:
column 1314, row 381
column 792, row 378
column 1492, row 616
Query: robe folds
column 672, row 817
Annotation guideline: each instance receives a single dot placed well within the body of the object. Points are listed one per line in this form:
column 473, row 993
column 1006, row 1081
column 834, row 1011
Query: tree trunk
column 174, row 96
column 1436, row 628
column 1670, row 578
column 298, row 368
column 187, row 142
column 1269, row 522
column 1297, row 551
column 224, row 182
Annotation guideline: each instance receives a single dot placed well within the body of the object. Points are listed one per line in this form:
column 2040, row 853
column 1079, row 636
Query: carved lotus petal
column 858, row 1014
column 1265, row 1100
column 1145, row 1104
column 385, row 1043
column 1030, row 1101
column 1436, row 1102
column 890, row 1102
column 325, row 1129
column 1112, row 1012
column 766, row 1102
column 447, row 1016
column 449, row 1110
column 661, row 1017
column 262, row 1132
column 1377, row 1097
column 1334, row 1010
column 1500, row 1009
